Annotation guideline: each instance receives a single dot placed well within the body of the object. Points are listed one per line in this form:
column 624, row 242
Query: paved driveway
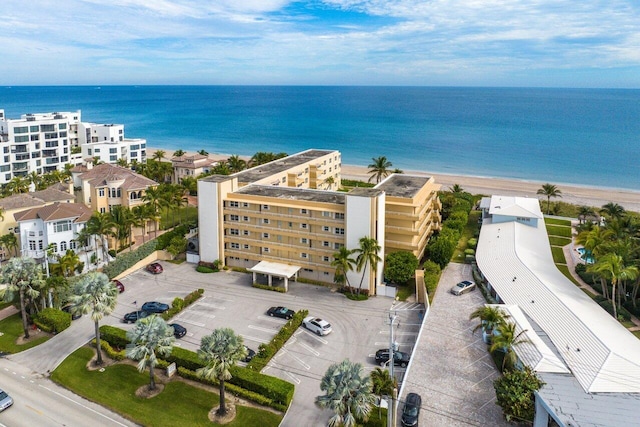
column 452, row 369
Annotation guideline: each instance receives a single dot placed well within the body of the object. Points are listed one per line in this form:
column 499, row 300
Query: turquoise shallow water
column 579, row 136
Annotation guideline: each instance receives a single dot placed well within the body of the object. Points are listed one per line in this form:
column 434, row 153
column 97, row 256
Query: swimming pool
column 585, row 255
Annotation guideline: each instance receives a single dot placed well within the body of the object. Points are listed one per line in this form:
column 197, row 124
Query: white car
column 5, row 400
column 317, row 325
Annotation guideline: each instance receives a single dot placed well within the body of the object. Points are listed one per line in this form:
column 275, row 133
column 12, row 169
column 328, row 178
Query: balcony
column 19, row 167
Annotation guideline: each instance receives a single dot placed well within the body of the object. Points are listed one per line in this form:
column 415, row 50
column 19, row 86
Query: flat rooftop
column 264, row 171
column 401, row 185
column 289, row 193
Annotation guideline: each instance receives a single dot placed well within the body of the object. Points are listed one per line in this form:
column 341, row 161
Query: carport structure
column 271, row 269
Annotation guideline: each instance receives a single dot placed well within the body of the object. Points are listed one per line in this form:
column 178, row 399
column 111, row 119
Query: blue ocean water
column 578, row 136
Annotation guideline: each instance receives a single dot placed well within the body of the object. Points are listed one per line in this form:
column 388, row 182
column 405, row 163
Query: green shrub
column 356, row 183
column 269, row 288
column 242, row 270
column 472, row 243
column 203, row 269
column 356, row 297
column 208, row 267
column 164, row 240
column 469, row 252
column 52, row 320
column 400, row 266
column 267, row 351
column 110, row 351
column 312, row 282
column 116, row 337
column 622, row 312
column 515, row 394
column 177, row 303
column 353, row 290
column 127, row 259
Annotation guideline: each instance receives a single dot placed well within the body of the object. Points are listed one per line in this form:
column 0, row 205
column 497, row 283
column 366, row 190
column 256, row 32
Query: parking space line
column 206, row 304
column 312, row 335
column 254, row 339
column 258, row 328
column 293, row 377
column 271, row 319
column 398, row 333
column 297, row 359
column 190, row 322
column 312, row 351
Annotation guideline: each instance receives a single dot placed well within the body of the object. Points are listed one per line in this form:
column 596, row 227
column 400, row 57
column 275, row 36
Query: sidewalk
column 8, row 311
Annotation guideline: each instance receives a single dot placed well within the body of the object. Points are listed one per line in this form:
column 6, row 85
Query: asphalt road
column 40, row 402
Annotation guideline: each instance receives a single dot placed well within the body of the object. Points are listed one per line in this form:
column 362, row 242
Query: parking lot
column 359, row 327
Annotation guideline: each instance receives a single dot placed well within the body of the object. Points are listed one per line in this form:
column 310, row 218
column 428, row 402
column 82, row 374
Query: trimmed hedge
column 127, row 259
column 353, row 290
column 269, row 288
column 179, row 304
column 52, row 320
column 267, row 351
column 203, row 269
column 116, row 337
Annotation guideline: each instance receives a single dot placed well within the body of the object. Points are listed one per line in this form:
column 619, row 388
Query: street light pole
column 391, row 410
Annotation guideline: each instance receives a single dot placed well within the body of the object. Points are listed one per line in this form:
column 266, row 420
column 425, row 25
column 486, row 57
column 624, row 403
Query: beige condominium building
column 287, row 213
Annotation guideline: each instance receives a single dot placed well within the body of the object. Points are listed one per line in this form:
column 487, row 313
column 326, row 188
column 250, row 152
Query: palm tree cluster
column 367, row 255
column 614, row 245
column 21, row 184
column 549, row 190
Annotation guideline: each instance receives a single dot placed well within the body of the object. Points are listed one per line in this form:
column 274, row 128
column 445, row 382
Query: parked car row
column 400, row 358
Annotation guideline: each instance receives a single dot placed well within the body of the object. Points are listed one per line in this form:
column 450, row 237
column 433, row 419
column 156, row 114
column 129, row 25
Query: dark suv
column 399, row 358
column 411, row 410
column 155, row 307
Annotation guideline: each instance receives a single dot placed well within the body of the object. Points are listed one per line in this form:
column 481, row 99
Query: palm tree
column 203, row 152
column 123, row 219
column 25, row 277
column 367, row 255
column 101, row 225
column 490, row 317
column 68, row 262
column 383, row 384
column 190, row 185
column 456, row 188
column 17, row 185
column 612, row 267
column 236, row 164
column 549, row 190
column 347, row 393
column 506, row 340
column 329, row 181
column 83, row 239
column 151, row 336
column 122, row 162
column 158, row 155
column 612, row 211
column 10, row 241
column 220, row 351
column 154, row 200
column 379, row 168
column 584, row 212
column 343, row 263
column 95, row 294
column 142, row 214
column 179, row 153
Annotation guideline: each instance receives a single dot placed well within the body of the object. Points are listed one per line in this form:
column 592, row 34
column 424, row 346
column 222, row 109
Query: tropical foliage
column 399, row 267
column 25, row 279
column 347, row 393
column 379, row 168
column 150, row 336
column 549, row 191
column 344, row 263
column 515, row 394
column 367, row 256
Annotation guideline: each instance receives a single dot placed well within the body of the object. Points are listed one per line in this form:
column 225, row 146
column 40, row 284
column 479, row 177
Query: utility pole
column 391, row 409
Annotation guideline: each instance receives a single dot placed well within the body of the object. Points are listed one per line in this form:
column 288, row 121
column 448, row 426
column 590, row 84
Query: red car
column 154, row 268
column 118, row 284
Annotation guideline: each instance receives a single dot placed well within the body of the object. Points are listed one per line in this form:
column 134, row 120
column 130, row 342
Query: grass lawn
column 179, row 404
column 637, row 334
column 469, row 232
column 172, row 217
column 557, row 230
column 11, row 329
column 565, row 270
column 405, row 291
column 559, row 241
column 558, row 255
column 556, row 221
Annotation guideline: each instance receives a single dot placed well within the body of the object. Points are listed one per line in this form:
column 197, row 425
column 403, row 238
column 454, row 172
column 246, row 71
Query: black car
column 155, row 307
column 135, row 315
column 399, row 358
column 250, row 354
column 281, row 312
column 69, row 309
column 178, row 330
column 411, row 410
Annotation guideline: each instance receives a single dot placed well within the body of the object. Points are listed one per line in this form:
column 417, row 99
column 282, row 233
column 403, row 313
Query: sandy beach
column 580, row 195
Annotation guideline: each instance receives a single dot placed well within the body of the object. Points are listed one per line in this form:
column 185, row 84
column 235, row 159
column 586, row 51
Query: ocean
column 587, row 137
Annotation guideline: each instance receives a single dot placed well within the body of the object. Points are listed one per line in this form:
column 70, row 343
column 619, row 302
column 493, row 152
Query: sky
column 531, row 43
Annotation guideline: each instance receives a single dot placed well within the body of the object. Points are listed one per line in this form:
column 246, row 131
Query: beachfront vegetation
column 379, row 168
column 549, row 191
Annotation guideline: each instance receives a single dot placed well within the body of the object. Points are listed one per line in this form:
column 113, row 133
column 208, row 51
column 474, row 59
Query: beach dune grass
column 11, row 329
column 179, row 404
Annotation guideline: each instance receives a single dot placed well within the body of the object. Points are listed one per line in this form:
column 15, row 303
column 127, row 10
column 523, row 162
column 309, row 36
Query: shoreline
column 571, row 193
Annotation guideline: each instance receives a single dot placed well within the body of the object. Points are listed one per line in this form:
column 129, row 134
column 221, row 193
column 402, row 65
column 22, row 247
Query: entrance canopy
column 276, row 269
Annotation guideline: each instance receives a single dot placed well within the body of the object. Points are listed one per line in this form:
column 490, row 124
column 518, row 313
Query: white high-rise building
column 45, row 142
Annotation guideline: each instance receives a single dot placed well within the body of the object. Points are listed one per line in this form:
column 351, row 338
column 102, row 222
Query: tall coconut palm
column 549, row 191
column 490, row 317
column 367, row 256
column 83, row 240
column 95, row 294
column 506, row 340
column 142, row 214
column 585, row 212
column 123, row 219
column 26, row 278
column 612, row 267
column 220, row 351
column 236, row 164
column 101, row 225
column 154, row 199
column 612, row 211
column 203, row 152
column 347, row 393
column 383, row 384
column 179, row 153
column 379, row 168
column 151, row 336
column 344, row 263
column 456, row 188
column 10, row 241
column 158, row 155
column 329, row 181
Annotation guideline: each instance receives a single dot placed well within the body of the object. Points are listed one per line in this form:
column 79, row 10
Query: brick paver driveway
column 452, row 369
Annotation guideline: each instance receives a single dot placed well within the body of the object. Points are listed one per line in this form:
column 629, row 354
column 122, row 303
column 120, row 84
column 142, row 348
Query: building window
column 234, row 218
column 21, row 129
column 54, row 247
column 265, row 250
column 234, row 245
column 246, row 246
column 265, row 220
column 245, row 232
column 303, row 225
column 339, row 230
column 32, row 245
column 304, row 240
column 72, row 244
column 326, row 228
column 245, row 205
column 325, row 258
column 103, row 210
column 326, row 214
column 232, row 204
column 61, row 226
column 339, row 215
column 265, row 235
column 337, row 245
column 40, row 245
column 245, row 218
column 307, row 270
column 234, row 232
column 326, row 273
column 265, row 207
column 63, row 246
column 303, row 211
column 101, row 192
column 304, row 255
column 326, row 244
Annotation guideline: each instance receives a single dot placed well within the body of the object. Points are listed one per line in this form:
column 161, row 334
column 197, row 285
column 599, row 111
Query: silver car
column 5, row 400
column 463, row 287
